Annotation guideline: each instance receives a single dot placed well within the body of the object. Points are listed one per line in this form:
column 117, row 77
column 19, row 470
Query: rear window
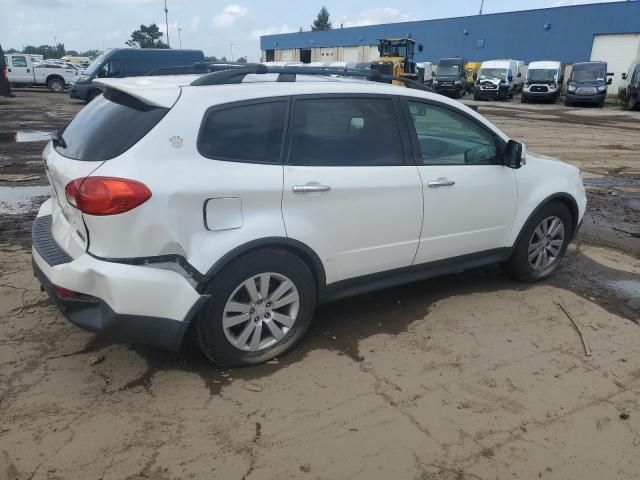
column 247, row 133
column 109, row 126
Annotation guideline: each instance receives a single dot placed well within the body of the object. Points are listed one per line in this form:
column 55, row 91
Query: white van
column 496, row 80
column 543, row 82
column 521, row 74
column 428, row 72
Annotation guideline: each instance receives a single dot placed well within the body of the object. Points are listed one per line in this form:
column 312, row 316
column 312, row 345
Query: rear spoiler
column 152, row 93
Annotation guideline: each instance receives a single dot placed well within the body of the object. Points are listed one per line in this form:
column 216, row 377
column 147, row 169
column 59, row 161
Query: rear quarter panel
column 181, row 181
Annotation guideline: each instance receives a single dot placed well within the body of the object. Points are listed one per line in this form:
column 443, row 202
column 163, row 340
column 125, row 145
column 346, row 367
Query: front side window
column 245, row 133
column 449, row 138
column 19, row 61
column 345, row 132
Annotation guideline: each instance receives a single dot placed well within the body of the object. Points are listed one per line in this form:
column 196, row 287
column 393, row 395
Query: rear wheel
column 55, row 85
column 260, row 306
column 542, row 244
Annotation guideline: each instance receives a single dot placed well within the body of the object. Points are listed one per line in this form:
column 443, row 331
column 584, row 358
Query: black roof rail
column 237, row 75
column 196, row 68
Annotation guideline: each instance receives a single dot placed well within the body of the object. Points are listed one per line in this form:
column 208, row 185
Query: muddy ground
column 472, row 376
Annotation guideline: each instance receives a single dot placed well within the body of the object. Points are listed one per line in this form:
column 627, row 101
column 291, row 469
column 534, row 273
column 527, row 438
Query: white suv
column 231, row 204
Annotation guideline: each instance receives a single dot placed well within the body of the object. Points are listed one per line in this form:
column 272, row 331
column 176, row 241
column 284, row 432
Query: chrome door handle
column 311, row 188
column 440, row 182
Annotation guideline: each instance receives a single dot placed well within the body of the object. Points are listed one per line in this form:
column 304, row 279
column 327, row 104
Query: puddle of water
column 25, row 136
column 610, row 182
column 19, row 200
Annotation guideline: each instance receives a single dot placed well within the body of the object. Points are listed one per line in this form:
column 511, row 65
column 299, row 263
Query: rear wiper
column 57, row 140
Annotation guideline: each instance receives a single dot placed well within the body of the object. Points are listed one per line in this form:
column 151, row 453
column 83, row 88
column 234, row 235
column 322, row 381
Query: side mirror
column 519, row 74
column 421, row 48
column 514, row 155
column 609, row 81
column 624, row 76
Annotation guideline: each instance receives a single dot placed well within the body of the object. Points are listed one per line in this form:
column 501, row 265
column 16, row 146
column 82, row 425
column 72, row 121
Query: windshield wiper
column 57, row 139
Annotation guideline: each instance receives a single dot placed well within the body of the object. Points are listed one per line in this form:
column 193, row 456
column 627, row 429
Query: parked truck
column 24, row 70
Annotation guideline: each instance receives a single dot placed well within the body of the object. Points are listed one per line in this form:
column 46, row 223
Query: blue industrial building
column 567, row 34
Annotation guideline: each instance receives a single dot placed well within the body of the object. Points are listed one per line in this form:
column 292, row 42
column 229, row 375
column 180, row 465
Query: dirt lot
column 472, row 376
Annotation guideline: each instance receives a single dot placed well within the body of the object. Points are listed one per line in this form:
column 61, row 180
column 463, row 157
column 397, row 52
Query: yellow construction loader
column 396, row 58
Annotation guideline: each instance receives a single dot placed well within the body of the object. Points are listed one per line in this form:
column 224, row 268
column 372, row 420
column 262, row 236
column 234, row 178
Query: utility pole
column 481, row 5
column 180, row 36
column 231, row 59
column 166, row 21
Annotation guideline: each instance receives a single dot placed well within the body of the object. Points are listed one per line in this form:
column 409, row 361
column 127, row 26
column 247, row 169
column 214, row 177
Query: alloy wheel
column 260, row 311
column 546, row 243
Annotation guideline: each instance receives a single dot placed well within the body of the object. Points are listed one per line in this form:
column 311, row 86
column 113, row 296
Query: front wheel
column 259, row 307
column 542, row 244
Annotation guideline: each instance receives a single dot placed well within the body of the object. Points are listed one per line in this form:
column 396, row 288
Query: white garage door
column 350, row 54
column 326, row 55
column 618, row 51
column 373, row 53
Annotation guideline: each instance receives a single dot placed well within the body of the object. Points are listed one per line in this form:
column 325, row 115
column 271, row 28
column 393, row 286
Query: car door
column 350, row 192
column 20, row 69
column 469, row 196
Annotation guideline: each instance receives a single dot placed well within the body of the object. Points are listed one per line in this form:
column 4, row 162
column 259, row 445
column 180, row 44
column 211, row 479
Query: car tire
column 524, row 264
column 230, row 344
column 55, row 85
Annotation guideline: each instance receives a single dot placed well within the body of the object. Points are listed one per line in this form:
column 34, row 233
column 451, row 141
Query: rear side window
column 109, row 126
column 345, row 132
column 244, row 133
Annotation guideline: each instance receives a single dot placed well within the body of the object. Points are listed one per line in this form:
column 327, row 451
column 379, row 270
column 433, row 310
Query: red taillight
column 65, row 293
column 106, row 195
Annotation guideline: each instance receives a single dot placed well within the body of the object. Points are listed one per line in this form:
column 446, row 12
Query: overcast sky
column 212, row 25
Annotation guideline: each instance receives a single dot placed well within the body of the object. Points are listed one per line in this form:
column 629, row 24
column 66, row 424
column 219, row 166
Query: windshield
column 95, row 65
column 489, row 73
column 448, row 71
column 588, row 74
column 542, row 75
column 396, row 49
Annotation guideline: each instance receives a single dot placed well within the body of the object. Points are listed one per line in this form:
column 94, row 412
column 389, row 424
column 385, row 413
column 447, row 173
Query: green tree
column 147, row 37
column 47, row 51
column 90, row 53
column 72, row 53
column 242, row 60
column 322, row 21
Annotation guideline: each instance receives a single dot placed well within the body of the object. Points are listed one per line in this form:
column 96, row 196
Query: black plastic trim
column 573, row 209
column 391, row 278
column 282, row 242
column 169, row 258
column 45, row 244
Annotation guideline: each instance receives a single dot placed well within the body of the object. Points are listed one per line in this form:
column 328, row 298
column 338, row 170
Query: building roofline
column 410, row 22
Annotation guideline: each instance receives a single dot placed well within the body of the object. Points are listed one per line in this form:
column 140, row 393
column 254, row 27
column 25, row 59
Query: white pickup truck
column 23, row 69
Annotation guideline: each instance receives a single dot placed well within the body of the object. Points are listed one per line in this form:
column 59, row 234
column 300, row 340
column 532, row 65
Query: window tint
column 449, row 138
column 246, row 133
column 19, row 61
column 109, row 126
column 345, row 131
